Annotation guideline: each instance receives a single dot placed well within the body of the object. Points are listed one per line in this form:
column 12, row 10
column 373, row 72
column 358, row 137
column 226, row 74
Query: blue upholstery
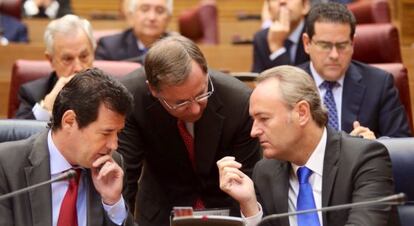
column 402, row 156
column 16, row 129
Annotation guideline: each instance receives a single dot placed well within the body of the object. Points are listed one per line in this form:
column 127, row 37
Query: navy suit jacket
column 13, row 29
column 261, row 53
column 370, row 97
column 122, row 46
column 354, row 170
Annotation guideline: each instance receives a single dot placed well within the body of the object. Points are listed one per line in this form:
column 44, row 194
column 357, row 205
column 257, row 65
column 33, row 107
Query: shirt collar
column 319, row 80
column 58, row 163
column 141, row 45
column 294, row 37
column 315, row 161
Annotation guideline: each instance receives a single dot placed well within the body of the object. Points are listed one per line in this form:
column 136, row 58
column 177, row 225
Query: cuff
column 40, row 113
column 116, row 213
column 52, row 9
column 277, row 53
column 30, row 8
column 255, row 219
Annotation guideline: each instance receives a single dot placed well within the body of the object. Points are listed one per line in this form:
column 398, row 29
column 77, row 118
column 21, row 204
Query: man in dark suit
column 69, row 49
column 184, row 119
column 149, row 20
column 46, row 8
column 366, row 102
column 307, row 164
column 88, row 114
column 281, row 44
column 12, row 29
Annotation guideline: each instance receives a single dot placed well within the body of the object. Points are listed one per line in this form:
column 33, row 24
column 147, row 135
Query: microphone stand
column 397, row 199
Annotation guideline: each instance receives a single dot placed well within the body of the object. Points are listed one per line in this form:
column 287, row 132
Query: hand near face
column 365, row 132
column 238, row 185
column 107, row 177
column 50, row 97
column 279, row 30
column 44, row 3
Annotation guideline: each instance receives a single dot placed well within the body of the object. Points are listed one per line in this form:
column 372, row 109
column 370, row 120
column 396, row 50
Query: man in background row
column 149, row 20
column 47, row 8
column 69, row 49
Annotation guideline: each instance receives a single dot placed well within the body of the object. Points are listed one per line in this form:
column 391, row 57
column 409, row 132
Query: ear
column 69, row 120
column 306, row 7
column 306, row 42
column 49, row 57
column 302, row 109
column 152, row 89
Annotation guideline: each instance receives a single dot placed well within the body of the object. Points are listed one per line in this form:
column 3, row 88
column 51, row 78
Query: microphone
column 63, row 176
column 397, row 199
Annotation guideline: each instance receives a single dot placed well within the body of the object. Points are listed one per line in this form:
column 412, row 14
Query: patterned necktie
column 305, row 199
column 330, row 104
column 189, row 144
column 68, row 214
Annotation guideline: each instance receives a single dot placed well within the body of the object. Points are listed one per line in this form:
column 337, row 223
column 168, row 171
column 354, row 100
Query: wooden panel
column 230, row 58
column 406, row 17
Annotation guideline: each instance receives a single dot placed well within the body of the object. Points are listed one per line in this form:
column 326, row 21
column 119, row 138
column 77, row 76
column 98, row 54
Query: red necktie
column 189, row 144
column 68, row 215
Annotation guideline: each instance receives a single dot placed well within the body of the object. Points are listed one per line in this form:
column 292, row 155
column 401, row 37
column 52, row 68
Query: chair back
column 371, row 11
column 370, row 41
column 18, row 129
column 401, row 151
column 28, row 70
column 11, row 8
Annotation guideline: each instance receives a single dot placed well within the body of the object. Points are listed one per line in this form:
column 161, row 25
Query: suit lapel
column 352, row 95
column 281, row 190
column 332, row 151
column 39, row 171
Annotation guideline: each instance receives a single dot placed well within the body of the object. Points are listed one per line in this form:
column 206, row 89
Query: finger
column 284, row 16
column 228, row 162
column 98, row 163
column 356, row 124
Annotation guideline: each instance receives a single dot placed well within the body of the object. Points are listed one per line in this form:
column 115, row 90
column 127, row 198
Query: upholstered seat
column 16, row 129
column 371, row 11
column 11, row 8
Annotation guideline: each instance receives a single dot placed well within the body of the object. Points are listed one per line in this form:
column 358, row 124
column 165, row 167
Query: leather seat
column 11, row 8
column 18, row 129
column 371, row 11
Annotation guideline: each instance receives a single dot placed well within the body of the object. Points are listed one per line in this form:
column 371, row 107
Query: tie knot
column 304, row 174
column 329, row 84
column 287, row 44
column 75, row 180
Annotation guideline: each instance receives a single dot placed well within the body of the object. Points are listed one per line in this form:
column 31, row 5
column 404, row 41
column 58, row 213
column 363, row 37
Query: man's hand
column 50, row 97
column 107, row 177
column 238, row 185
column 279, row 30
column 364, row 132
column 44, row 3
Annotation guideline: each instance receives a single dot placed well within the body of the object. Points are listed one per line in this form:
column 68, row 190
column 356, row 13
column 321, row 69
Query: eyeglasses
column 198, row 99
column 328, row 46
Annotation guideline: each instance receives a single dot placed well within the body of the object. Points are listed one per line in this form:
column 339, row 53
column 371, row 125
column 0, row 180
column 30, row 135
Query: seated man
column 12, row 30
column 69, row 49
column 281, row 43
column 360, row 98
column 149, row 20
column 88, row 114
column 185, row 118
column 46, row 8
column 307, row 165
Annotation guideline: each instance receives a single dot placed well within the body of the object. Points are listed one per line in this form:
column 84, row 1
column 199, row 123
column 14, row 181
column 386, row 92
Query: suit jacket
column 32, row 92
column 65, row 7
column 261, row 53
column 369, row 96
column 151, row 139
column 26, row 162
column 354, row 170
column 13, row 29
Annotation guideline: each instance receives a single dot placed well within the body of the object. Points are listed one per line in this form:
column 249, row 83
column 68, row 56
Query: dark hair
column 84, row 94
column 330, row 12
column 168, row 62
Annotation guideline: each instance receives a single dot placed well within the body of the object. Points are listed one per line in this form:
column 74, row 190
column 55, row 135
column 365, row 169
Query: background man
column 88, row 114
column 280, row 44
column 185, row 118
column 149, row 20
column 307, row 165
column 47, row 8
column 69, row 48
column 360, row 98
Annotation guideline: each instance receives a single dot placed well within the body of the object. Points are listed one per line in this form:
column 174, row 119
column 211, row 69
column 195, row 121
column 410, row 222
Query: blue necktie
column 288, row 44
column 305, row 199
column 330, row 104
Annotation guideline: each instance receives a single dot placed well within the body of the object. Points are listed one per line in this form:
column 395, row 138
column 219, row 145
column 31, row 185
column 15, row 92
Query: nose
column 195, row 108
column 256, row 131
column 112, row 143
column 77, row 66
column 152, row 14
column 333, row 53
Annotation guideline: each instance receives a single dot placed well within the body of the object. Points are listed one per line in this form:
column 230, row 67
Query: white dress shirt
column 314, row 163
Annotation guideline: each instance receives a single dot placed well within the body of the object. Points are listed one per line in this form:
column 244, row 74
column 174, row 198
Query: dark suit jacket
column 354, row 170
column 261, row 53
column 32, row 92
column 122, row 46
column 13, row 29
column 151, row 138
column 369, row 96
column 26, row 162
column 65, row 7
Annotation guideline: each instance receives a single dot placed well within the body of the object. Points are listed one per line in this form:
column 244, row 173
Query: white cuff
column 52, row 9
column 255, row 219
column 40, row 113
column 30, row 8
column 117, row 213
column 277, row 53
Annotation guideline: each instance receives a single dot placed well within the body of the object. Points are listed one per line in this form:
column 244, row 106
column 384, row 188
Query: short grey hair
column 132, row 6
column 296, row 85
column 67, row 24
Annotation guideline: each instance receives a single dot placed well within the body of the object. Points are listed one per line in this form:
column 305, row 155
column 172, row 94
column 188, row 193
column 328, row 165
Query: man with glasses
column 69, row 49
column 148, row 20
column 185, row 118
column 361, row 99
